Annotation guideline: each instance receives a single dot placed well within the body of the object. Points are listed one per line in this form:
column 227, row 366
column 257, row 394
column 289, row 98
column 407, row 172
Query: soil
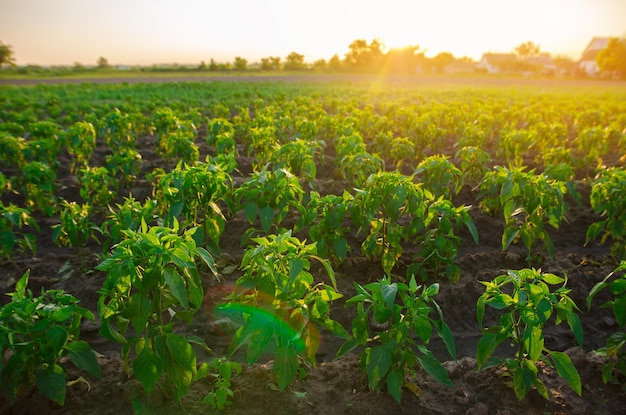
column 338, row 386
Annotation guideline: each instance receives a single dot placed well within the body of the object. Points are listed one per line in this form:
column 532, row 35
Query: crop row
column 400, row 163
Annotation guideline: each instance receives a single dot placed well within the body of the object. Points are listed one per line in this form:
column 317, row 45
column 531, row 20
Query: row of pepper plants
column 400, row 180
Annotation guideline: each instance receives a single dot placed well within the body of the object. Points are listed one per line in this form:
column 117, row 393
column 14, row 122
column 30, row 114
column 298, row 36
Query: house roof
column 592, row 49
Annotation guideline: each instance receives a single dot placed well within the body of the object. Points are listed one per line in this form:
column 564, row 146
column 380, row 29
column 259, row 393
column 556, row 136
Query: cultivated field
column 313, row 245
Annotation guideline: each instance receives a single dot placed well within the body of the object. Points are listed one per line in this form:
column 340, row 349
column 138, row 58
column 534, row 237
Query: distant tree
column 271, row 63
column 406, row 59
column 240, row 64
column 334, row 63
column 442, row 60
column 294, row 62
column 103, row 63
column 612, row 58
column 527, row 49
column 364, row 56
column 203, row 66
column 213, row 65
column 319, row 65
column 6, row 55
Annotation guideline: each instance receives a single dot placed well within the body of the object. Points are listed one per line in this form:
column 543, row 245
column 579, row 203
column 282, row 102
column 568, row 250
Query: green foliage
column 37, row 334
column 268, row 195
column 527, row 303
column 386, row 197
column 402, row 312
column 263, row 145
column 440, row 176
column 608, row 199
column 127, row 216
column 195, row 193
column 591, row 145
column 615, row 349
column 152, row 275
column 12, row 220
column 81, row 143
column 357, row 167
column 438, row 243
column 179, row 146
column 220, row 371
column 326, row 215
column 528, row 202
column 474, row 163
column 514, row 145
column 402, row 151
column 11, row 150
column 221, row 135
column 117, row 130
column 281, row 304
column 97, row 186
column 38, row 184
column 299, row 157
column 124, row 164
column 75, row 228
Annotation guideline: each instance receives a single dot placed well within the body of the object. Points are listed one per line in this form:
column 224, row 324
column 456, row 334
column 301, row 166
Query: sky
column 145, row 32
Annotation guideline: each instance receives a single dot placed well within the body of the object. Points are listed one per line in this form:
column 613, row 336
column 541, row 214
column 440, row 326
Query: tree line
column 364, row 56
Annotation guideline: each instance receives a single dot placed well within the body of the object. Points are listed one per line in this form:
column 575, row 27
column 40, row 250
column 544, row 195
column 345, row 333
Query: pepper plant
column 528, row 202
column 81, row 143
column 75, row 228
column 152, row 281
column 615, row 350
column 280, row 305
column 378, row 207
column 440, row 176
column 402, row 314
column 269, row 195
column 195, row 193
column 98, row 186
column 527, row 304
column 325, row 216
column 12, row 220
column 608, row 199
column 37, row 334
column 38, row 184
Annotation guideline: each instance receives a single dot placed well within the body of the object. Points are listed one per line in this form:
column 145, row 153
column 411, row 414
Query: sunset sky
column 144, row 32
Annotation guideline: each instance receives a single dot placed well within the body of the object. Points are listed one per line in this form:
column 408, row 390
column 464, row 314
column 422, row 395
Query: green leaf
column 250, row 210
column 394, row 384
column 84, row 358
column 486, row 346
column 389, row 292
column 147, row 368
column 619, row 309
column 140, row 309
column 378, row 362
column 177, row 285
column 56, row 337
column 510, row 233
column 181, row 351
column 208, row 259
column 446, row 335
column 285, row 366
column 51, row 382
column 552, row 279
column 266, row 216
column 435, row 369
column 567, row 371
column 341, row 248
column 523, row 379
column 533, row 342
column 346, row 347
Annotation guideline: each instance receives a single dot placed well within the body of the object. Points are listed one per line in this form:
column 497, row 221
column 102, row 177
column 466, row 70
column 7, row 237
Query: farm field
column 261, row 220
